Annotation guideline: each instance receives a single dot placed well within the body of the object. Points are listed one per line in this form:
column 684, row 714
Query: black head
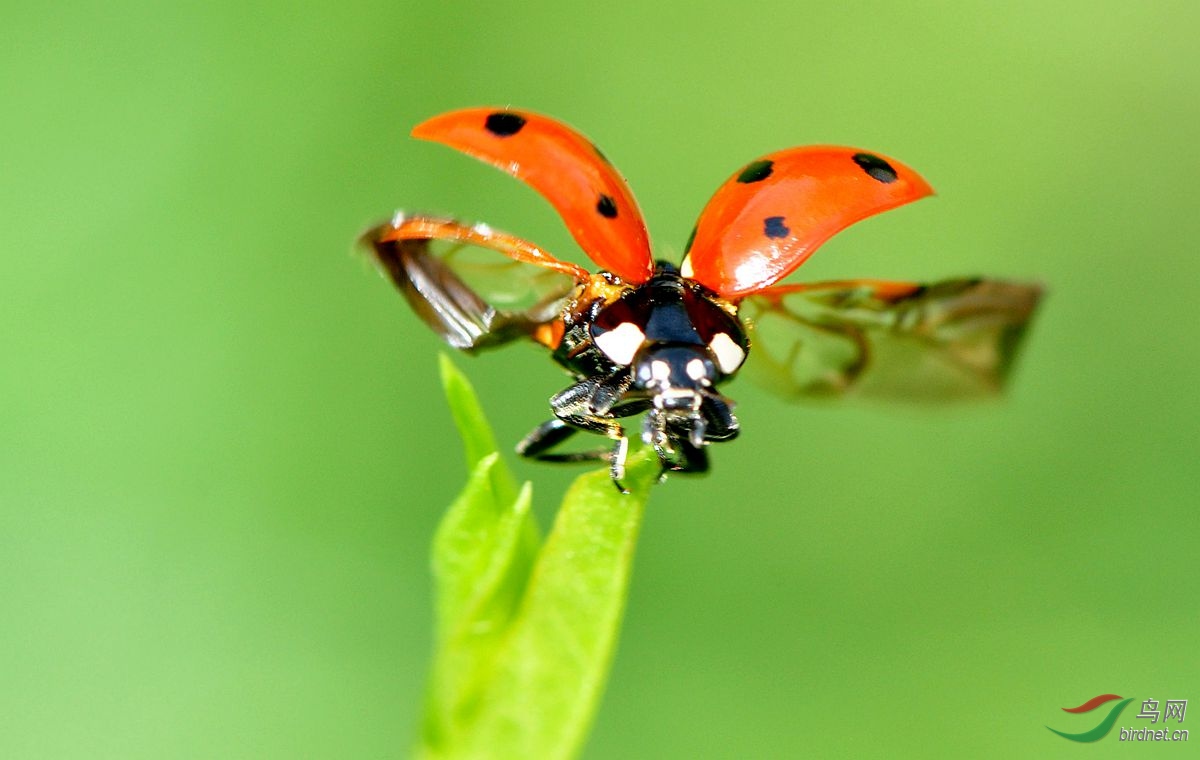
column 676, row 375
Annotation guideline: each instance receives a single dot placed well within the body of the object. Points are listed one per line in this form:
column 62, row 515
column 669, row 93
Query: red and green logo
column 1104, row 726
column 1154, row 729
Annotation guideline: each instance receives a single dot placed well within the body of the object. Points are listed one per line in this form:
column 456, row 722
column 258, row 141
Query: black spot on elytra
column 607, row 207
column 691, row 239
column 773, row 227
column 756, row 171
column 876, row 168
column 504, row 123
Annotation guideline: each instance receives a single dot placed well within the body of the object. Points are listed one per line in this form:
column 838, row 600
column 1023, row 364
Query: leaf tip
column 450, row 374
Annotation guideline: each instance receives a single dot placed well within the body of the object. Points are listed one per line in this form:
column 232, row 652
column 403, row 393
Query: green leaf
column 526, row 633
column 477, row 437
column 550, row 672
column 482, row 554
column 482, row 561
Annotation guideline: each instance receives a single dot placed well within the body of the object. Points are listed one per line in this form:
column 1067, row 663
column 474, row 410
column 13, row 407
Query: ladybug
column 648, row 337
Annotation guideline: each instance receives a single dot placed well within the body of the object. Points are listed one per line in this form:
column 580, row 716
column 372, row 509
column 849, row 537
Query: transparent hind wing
column 475, row 287
column 949, row 341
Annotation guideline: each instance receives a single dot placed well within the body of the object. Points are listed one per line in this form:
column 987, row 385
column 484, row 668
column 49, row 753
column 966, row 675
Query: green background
column 223, row 449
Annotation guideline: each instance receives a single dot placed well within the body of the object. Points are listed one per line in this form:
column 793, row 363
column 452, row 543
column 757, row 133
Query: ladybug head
column 680, row 380
column 675, row 375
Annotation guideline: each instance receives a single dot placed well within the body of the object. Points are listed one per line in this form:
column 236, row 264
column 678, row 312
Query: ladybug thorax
column 674, row 335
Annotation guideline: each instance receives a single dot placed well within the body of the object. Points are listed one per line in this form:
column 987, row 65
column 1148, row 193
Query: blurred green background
column 224, row 449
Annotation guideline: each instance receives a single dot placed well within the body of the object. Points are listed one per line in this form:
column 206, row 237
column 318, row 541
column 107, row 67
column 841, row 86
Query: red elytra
column 768, row 218
column 563, row 165
column 759, row 226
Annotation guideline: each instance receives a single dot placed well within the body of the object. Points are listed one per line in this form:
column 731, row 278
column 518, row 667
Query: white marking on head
column 685, row 268
column 729, row 354
column 695, row 369
column 621, row 343
column 660, row 370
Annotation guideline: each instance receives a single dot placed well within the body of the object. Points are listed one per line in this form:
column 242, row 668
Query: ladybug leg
column 719, row 422
column 680, row 444
column 549, row 434
column 689, row 459
column 654, row 434
column 689, row 442
column 591, row 405
column 616, row 468
column 546, row 436
column 587, row 405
